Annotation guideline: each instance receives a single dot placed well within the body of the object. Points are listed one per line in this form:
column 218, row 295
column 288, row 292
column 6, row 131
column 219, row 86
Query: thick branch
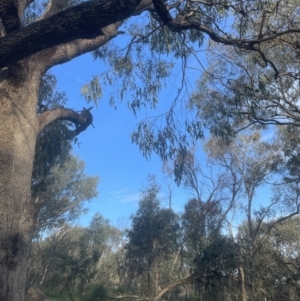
column 181, row 24
column 83, row 21
column 162, row 292
column 81, row 120
column 65, row 52
column 131, row 297
column 176, row 283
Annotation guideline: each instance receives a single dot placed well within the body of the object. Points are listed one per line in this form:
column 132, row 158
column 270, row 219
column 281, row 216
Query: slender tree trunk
column 201, row 291
column 44, row 275
column 64, row 287
column 242, row 279
column 18, row 132
column 156, row 279
column 148, row 294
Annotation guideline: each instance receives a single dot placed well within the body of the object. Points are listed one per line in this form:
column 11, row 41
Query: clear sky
column 107, row 149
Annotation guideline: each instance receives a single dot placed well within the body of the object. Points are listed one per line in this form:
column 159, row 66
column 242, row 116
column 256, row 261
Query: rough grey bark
column 84, row 21
column 18, row 133
column 19, row 128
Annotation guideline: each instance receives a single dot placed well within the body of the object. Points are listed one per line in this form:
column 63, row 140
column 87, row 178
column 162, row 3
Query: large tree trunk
column 18, row 132
column 24, row 59
column 19, row 127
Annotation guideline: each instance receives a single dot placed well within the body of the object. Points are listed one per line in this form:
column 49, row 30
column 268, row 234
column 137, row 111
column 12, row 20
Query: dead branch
column 162, row 292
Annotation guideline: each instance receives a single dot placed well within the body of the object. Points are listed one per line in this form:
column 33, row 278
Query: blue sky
column 107, row 149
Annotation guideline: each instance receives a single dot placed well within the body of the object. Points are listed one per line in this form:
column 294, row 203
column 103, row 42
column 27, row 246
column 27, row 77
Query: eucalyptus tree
column 284, row 242
column 73, row 259
column 242, row 88
column 67, row 261
column 59, row 31
column 274, row 271
column 258, row 162
column 106, row 241
column 152, row 239
column 245, row 164
column 207, row 250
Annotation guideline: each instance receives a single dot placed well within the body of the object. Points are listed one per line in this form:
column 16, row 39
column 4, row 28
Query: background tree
column 208, row 251
column 255, row 162
column 284, row 244
column 152, row 239
column 106, row 241
column 68, row 188
column 75, row 261
column 253, row 87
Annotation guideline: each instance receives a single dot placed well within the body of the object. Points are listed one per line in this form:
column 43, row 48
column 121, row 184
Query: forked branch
column 81, row 120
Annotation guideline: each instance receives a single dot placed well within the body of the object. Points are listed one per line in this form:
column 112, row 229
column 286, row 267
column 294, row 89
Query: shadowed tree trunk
column 18, row 135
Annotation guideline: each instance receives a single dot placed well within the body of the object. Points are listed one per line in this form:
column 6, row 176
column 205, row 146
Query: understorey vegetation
column 236, row 238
